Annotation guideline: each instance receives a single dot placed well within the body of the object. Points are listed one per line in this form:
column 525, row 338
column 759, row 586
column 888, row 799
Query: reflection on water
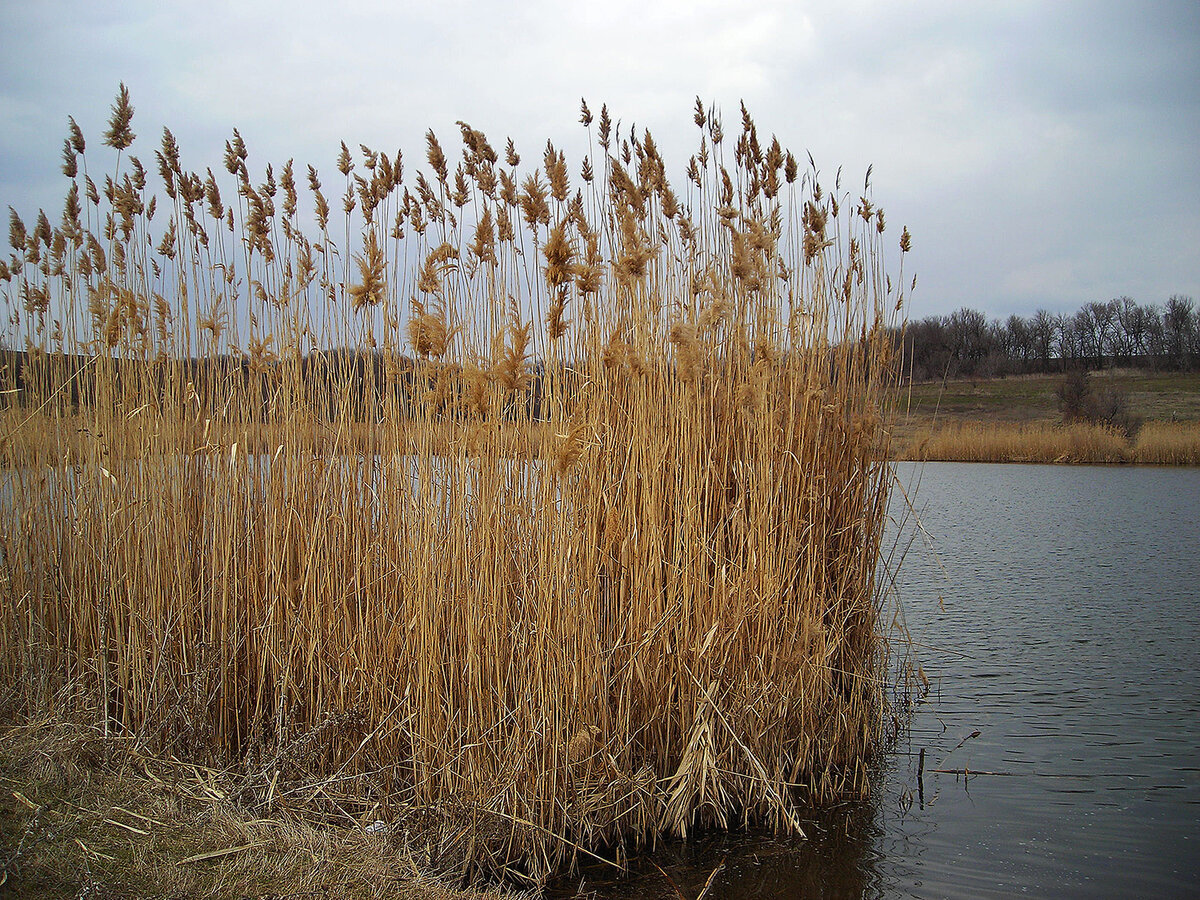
column 1058, row 619
column 835, row 861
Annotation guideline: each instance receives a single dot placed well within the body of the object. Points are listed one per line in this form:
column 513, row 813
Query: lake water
column 1056, row 611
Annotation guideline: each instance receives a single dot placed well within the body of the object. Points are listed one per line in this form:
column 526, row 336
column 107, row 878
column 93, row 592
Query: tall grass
column 1040, row 442
column 1156, row 443
column 1168, row 444
column 550, row 504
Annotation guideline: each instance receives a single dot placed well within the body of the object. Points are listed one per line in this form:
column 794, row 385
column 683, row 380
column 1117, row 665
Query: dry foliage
column 1157, row 443
column 1041, row 442
column 1168, row 444
column 553, row 509
column 87, row 816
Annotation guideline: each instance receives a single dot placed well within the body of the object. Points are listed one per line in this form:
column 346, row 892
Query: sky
column 1043, row 154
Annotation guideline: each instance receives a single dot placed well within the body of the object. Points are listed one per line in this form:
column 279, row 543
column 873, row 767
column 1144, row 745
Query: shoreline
column 1155, row 444
column 1018, row 419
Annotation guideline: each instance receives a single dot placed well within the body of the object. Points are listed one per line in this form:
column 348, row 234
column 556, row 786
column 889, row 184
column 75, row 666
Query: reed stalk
column 553, row 509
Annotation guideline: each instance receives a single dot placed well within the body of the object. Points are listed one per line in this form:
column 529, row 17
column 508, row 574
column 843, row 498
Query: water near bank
column 1059, row 622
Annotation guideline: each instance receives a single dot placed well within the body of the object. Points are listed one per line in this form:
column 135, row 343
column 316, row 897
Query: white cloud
column 1039, row 151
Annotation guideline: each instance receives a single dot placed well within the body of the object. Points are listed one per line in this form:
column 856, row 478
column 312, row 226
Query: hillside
column 1018, row 419
column 1154, row 396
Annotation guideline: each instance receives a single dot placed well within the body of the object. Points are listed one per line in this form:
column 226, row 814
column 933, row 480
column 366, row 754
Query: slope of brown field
column 1017, row 419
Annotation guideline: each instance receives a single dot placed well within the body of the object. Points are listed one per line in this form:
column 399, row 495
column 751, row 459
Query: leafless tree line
column 1120, row 332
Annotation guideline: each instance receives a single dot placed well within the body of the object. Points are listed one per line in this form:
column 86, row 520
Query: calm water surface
column 1056, row 612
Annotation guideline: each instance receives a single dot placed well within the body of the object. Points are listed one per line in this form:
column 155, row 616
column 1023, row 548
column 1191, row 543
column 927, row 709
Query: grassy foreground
column 82, row 815
column 1016, row 419
column 550, row 510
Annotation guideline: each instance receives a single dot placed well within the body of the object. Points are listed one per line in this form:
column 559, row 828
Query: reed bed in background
column 1025, row 442
column 1168, row 444
column 1156, row 443
column 546, row 505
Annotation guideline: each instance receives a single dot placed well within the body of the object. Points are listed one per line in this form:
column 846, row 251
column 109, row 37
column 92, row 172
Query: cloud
column 1039, row 152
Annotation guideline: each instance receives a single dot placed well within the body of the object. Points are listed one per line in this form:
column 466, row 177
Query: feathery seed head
column 484, row 244
column 687, row 350
column 372, row 264
column 556, row 172
column 437, row 159
column 119, row 135
column 565, row 458
column 559, row 255
column 16, row 231
column 533, row 201
column 76, row 135
column 70, row 167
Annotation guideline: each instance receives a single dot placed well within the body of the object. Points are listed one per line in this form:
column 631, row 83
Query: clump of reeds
column 551, row 503
column 1168, row 444
column 1037, row 442
column 1156, row 443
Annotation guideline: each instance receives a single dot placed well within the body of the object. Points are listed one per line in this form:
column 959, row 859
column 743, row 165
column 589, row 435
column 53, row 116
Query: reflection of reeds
column 600, row 462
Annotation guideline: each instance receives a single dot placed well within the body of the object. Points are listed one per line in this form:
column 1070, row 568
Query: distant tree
column 1019, row 343
column 1156, row 339
column 1066, row 340
column 1041, row 335
column 1116, row 332
column 969, row 339
column 1132, row 321
column 1079, row 400
column 927, row 350
column 1179, row 331
column 1093, row 326
column 1116, row 342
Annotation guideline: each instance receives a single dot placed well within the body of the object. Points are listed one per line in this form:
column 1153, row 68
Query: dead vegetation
column 82, row 815
column 589, row 557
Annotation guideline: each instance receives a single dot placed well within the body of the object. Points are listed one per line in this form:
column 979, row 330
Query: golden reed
column 551, row 506
column 1156, row 443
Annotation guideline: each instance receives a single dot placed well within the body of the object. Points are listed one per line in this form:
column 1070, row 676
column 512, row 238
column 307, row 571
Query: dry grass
column 1156, row 443
column 1025, row 442
column 575, row 544
column 82, row 815
column 1168, row 444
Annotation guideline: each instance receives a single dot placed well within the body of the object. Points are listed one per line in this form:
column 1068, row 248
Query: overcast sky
column 1044, row 154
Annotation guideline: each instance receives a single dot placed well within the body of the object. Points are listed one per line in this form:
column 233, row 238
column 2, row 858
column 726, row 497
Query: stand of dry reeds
column 550, row 508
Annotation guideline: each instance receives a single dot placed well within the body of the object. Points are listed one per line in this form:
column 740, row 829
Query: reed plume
column 363, row 520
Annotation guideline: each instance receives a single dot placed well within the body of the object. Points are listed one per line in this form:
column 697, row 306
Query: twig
column 711, row 878
column 670, row 881
column 132, row 828
column 94, row 854
column 217, row 854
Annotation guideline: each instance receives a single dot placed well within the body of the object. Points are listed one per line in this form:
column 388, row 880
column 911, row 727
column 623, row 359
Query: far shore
column 1018, row 419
